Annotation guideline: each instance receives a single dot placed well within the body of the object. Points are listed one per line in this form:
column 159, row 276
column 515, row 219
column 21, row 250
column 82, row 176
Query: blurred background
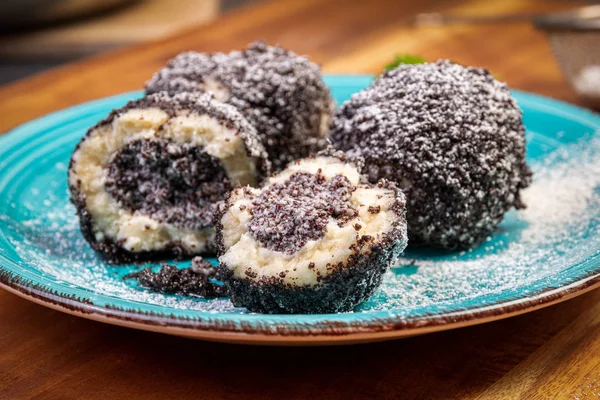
column 39, row 34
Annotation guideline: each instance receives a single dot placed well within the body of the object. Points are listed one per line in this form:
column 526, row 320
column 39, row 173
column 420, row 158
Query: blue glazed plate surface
column 545, row 254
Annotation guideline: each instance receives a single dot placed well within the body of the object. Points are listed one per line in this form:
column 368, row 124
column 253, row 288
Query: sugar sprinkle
column 560, row 227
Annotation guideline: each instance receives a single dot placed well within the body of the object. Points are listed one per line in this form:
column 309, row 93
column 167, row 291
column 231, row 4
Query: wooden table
column 135, row 22
column 551, row 353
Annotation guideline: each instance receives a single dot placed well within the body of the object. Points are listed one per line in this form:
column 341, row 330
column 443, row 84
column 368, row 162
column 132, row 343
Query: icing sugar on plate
column 562, row 207
column 530, row 245
column 536, row 253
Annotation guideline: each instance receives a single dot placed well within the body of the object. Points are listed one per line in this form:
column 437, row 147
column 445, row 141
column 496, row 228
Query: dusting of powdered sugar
column 52, row 245
column 281, row 93
column 559, row 229
column 451, row 136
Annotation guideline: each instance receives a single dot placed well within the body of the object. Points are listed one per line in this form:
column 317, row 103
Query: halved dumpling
column 146, row 181
column 314, row 239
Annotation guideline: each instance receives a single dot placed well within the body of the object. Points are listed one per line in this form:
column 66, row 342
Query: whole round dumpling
column 281, row 93
column 147, row 180
column 452, row 137
column 313, row 239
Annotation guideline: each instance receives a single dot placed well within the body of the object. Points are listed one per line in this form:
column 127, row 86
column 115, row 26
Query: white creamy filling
column 327, row 166
column 137, row 231
column 216, row 88
column 325, row 122
column 245, row 253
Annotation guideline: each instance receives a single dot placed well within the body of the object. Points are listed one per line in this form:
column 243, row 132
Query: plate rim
column 282, row 335
column 327, row 332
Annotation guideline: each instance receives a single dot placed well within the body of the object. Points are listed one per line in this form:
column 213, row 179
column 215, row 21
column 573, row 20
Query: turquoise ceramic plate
column 539, row 256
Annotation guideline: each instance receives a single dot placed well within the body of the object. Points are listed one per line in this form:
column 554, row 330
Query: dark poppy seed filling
column 287, row 215
column 174, row 183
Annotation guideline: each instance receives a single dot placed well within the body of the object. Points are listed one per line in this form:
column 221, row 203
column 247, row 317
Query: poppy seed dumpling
column 279, row 92
column 147, row 180
column 314, row 239
column 453, row 139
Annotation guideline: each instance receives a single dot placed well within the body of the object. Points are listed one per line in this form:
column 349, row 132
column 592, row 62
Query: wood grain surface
column 137, row 22
column 553, row 353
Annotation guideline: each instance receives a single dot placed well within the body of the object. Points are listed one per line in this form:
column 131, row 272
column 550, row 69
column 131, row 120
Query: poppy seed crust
column 280, row 93
column 451, row 137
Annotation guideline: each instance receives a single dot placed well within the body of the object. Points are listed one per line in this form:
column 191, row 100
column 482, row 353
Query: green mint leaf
column 400, row 59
